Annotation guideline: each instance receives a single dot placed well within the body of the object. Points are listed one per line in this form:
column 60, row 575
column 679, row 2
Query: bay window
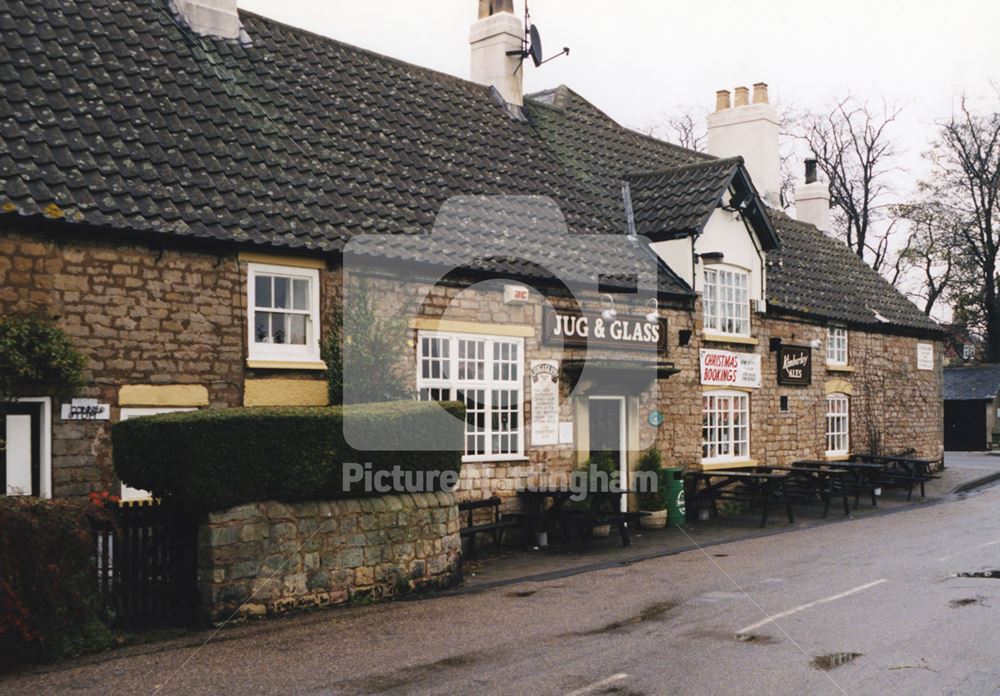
column 725, row 426
column 283, row 309
column 726, row 301
column 485, row 373
column 838, row 424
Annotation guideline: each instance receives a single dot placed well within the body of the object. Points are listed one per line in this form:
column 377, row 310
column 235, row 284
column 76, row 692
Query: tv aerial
column 531, row 44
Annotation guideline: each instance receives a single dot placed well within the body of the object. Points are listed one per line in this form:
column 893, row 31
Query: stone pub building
column 181, row 185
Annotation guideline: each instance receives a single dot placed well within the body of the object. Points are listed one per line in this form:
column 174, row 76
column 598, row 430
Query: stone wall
column 269, row 557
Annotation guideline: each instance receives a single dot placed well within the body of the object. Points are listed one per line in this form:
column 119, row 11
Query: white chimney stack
column 217, row 18
column 750, row 130
column 812, row 199
column 496, row 40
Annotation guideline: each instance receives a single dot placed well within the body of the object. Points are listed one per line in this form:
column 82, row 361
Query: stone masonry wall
column 270, row 557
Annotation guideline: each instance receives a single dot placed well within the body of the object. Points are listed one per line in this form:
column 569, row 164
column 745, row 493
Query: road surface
column 865, row 606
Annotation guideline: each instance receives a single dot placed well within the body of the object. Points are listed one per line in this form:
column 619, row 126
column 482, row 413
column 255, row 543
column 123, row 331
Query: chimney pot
column 722, row 100
column 810, row 171
column 742, row 96
column 760, row 93
column 488, row 8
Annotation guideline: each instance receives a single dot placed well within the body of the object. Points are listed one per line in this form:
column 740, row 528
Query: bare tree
column 687, row 127
column 852, row 146
column 928, row 253
column 966, row 185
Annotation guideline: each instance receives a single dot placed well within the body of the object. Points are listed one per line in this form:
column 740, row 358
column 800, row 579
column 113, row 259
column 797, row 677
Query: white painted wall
column 679, row 256
column 727, row 233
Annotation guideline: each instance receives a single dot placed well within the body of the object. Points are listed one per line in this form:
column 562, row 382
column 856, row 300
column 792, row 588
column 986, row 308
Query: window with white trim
column 838, row 424
column 484, row 372
column 725, row 426
column 726, row 300
column 836, row 345
column 283, row 309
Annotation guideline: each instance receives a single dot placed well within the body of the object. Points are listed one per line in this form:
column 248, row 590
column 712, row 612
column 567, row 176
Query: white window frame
column 309, row 352
column 730, row 428
column 837, row 346
column 487, row 383
column 835, row 416
column 125, row 412
column 716, row 309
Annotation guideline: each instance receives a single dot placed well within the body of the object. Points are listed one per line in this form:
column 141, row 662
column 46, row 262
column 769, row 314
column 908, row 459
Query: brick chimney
column 812, row 199
column 217, row 18
column 493, row 35
column 749, row 129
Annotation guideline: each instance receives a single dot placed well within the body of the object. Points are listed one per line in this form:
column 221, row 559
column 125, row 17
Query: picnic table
column 748, row 485
column 545, row 506
column 865, row 477
column 900, row 471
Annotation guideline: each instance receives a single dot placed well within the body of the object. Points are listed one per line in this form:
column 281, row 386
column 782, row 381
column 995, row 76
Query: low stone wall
column 270, row 557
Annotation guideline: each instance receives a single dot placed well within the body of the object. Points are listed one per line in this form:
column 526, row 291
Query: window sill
column 286, row 364
column 735, row 463
column 495, row 460
column 837, row 457
column 726, row 338
column 839, row 368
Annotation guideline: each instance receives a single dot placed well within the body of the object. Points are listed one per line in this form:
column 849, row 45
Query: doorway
column 21, row 430
column 607, row 435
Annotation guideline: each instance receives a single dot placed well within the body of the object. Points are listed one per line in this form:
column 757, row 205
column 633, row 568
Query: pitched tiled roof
column 813, row 274
column 972, row 383
column 114, row 115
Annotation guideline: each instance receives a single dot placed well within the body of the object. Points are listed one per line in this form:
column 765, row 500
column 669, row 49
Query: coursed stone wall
column 269, row 557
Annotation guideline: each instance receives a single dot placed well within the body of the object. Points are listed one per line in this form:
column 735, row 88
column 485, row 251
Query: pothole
column 834, row 660
column 522, row 593
column 756, row 638
column 965, row 602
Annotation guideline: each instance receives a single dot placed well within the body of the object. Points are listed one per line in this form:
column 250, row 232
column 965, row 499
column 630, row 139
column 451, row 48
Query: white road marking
column 796, row 610
column 597, row 685
column 971, row 548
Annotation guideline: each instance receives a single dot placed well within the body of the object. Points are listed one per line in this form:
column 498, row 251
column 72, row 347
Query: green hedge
column 214, row 459
column 49, row 605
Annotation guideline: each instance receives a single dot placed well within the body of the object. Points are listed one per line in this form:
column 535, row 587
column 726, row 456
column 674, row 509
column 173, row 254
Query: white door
column 129, row 493
column 607, row 435
column 21, row 433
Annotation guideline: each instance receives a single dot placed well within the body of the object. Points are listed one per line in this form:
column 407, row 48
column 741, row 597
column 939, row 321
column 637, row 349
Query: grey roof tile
column 972, row 383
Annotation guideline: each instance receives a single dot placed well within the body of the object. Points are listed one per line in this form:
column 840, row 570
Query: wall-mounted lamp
column 684, row 337
column 653, row 315
column 608, row 311
column 774, row 344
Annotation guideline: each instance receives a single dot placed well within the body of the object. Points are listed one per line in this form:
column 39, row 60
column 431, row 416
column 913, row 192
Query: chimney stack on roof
column 216, row 18
column 496, row 43
column 749, row 130
column 812, row 199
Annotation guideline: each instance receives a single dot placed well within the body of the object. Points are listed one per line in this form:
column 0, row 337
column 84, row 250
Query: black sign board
column 625, row 331
column 795, row 365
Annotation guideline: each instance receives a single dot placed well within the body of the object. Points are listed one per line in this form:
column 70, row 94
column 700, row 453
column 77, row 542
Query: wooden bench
column 496, row 526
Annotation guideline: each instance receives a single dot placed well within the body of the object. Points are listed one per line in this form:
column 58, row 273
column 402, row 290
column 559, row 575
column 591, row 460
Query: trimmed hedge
column 49, row 602
column 217, row 458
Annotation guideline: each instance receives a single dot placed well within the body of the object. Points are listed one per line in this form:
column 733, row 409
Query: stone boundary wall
column 270, row 557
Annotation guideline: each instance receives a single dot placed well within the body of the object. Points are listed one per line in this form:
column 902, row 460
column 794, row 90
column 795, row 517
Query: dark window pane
column 298, row 329
column 279, row 328
column 262, row 291
column 281, row 294
column 300, row 292
column 261, row 326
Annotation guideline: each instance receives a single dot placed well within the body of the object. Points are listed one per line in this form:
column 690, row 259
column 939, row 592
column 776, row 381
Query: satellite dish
column 535, row 45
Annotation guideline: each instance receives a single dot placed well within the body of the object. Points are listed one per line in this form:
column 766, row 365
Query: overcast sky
column 638, row 60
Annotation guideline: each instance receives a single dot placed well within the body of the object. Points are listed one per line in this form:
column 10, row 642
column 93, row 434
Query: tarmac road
column 881, row 588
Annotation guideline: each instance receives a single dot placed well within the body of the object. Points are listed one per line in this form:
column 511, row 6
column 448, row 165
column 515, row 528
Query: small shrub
column 49, row 603
column 218, row 458
column 36, row 355
column 655, row 499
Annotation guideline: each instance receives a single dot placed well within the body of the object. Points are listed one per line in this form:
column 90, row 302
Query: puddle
column 721, row 555
column 834, row 660
column 522, row 593
column 991, row 574
column 965, row 602
column 651, row 613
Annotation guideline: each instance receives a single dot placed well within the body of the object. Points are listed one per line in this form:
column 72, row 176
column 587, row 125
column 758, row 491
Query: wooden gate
column 147, row 565
column 965, row 426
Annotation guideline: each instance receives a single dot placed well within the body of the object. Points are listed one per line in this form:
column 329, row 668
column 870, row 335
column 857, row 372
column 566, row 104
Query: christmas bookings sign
column 724, row 368
column 630, row 332
column 544, row 402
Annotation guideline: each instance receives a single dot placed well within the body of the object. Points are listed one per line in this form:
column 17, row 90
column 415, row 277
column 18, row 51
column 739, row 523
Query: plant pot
column 601, row 531
column 653, row 519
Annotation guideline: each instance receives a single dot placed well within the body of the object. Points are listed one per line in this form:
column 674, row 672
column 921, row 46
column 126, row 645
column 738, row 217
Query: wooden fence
column 147, row 565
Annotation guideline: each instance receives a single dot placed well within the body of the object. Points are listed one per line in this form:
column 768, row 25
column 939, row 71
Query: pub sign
column 795, row 365
column 625, row 331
